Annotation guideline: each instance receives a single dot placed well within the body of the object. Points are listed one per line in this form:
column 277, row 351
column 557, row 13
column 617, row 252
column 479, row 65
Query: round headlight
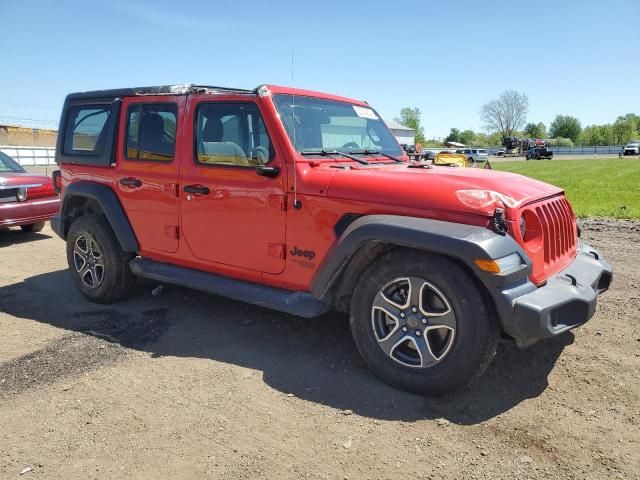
column 21, row 194
column 523, row 226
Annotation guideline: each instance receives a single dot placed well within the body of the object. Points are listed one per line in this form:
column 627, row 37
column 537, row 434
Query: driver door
column 231, row 213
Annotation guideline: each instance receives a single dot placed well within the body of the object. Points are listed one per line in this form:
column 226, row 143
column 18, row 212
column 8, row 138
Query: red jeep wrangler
column 304, row 202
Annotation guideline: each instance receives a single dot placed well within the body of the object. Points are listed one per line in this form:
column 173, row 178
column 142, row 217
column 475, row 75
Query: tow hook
column 498, row 223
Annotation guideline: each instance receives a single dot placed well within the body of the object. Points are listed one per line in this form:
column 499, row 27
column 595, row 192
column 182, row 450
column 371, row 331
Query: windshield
column 8, row 164
column 333, row 125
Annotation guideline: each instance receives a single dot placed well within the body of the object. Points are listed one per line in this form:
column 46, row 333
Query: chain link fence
column 599, row 150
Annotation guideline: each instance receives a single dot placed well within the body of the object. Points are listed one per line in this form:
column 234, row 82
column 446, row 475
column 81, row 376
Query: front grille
column 558, row 228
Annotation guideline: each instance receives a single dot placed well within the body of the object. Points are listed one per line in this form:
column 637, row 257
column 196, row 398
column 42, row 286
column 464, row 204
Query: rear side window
column 151, row 132
column 231, row 134
column 86, row 130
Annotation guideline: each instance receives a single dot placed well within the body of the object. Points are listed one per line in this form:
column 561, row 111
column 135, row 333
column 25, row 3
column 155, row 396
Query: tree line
column 505, row 116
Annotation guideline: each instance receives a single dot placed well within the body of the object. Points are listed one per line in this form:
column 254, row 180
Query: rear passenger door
column 147, row 166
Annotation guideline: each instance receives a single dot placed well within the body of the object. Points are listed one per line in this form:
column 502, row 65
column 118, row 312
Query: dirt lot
column 186, row 385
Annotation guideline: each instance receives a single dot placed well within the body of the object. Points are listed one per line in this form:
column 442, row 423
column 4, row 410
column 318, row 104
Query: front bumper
column 566, row 301
column 13, row 214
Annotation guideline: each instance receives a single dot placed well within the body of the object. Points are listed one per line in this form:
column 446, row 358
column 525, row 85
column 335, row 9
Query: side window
column 85, row 132
column 231, row 134
column 151, row 131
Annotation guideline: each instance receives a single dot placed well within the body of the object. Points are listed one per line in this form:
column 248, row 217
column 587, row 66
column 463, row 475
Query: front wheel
column 421, row 323
column 99, row 267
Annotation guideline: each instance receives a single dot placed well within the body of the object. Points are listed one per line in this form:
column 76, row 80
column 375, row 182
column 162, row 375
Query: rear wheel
column 32, row 227
column 421, row 323
column 100, row 269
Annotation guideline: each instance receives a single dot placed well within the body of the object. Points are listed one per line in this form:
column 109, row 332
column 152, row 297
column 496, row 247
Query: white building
column 405, row 135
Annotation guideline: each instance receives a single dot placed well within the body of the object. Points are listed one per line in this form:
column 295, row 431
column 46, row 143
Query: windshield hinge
column 278, row 201
column 277, row 250
column 172, row 231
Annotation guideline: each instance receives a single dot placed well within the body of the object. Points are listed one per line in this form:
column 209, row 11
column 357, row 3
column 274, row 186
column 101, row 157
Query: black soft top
column 180, row 89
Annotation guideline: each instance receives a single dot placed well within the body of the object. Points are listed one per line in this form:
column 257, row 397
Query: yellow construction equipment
column 450, row 160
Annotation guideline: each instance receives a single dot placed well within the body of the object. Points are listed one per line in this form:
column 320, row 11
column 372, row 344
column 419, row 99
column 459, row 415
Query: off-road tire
column 477, row 330
column 32, row 227
column 117, row 279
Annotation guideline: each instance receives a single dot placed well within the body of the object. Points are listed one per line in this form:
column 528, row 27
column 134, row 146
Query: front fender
column 464, row 243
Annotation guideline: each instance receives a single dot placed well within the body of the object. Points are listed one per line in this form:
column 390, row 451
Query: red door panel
column 148, row 187
column 240, row 221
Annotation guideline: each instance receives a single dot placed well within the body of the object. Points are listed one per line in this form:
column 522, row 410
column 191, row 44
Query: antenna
column 296, row 203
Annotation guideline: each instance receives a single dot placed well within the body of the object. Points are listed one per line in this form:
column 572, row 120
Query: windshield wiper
column 324, row 153
column 377, row 152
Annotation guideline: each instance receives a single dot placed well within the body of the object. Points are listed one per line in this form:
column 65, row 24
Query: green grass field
column 595, row 188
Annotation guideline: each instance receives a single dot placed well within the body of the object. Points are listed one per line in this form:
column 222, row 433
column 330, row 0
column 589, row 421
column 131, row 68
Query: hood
column 20, row 179
column 470, row 190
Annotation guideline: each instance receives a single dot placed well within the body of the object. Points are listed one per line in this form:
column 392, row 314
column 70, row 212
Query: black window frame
column 196, row 116
column 126, row 132
column 107, row 156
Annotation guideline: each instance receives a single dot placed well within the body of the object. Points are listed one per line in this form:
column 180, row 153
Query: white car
column 632, row 148
column 474, row 154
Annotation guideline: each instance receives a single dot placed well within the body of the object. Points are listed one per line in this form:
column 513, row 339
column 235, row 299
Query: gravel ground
column 186, row 385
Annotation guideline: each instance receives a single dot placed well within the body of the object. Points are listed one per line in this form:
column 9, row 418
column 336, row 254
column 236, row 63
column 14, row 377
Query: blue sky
column 580, row 58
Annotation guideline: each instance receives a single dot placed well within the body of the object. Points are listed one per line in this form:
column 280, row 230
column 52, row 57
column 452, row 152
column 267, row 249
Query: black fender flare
column 465, row 243
column 110, row 205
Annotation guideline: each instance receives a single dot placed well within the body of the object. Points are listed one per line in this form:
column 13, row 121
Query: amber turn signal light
column 487, row 265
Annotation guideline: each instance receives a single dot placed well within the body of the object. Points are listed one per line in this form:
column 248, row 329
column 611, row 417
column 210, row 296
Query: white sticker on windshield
column 365, row 112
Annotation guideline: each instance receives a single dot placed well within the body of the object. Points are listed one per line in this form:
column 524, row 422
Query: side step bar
column 303, row 304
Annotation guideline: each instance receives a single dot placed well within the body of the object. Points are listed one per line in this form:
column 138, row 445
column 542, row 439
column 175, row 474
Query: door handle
column 130, row 182
column 197, row 189
column 265, row 171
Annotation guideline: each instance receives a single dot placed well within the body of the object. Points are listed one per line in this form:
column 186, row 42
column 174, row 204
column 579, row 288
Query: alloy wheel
column 413, row 322
column 88, row 261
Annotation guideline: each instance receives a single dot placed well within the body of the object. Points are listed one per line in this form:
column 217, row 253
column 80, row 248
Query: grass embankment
column 595, row 188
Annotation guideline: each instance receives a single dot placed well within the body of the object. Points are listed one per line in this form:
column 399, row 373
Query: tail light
column 40, row 191
column 57, row 181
